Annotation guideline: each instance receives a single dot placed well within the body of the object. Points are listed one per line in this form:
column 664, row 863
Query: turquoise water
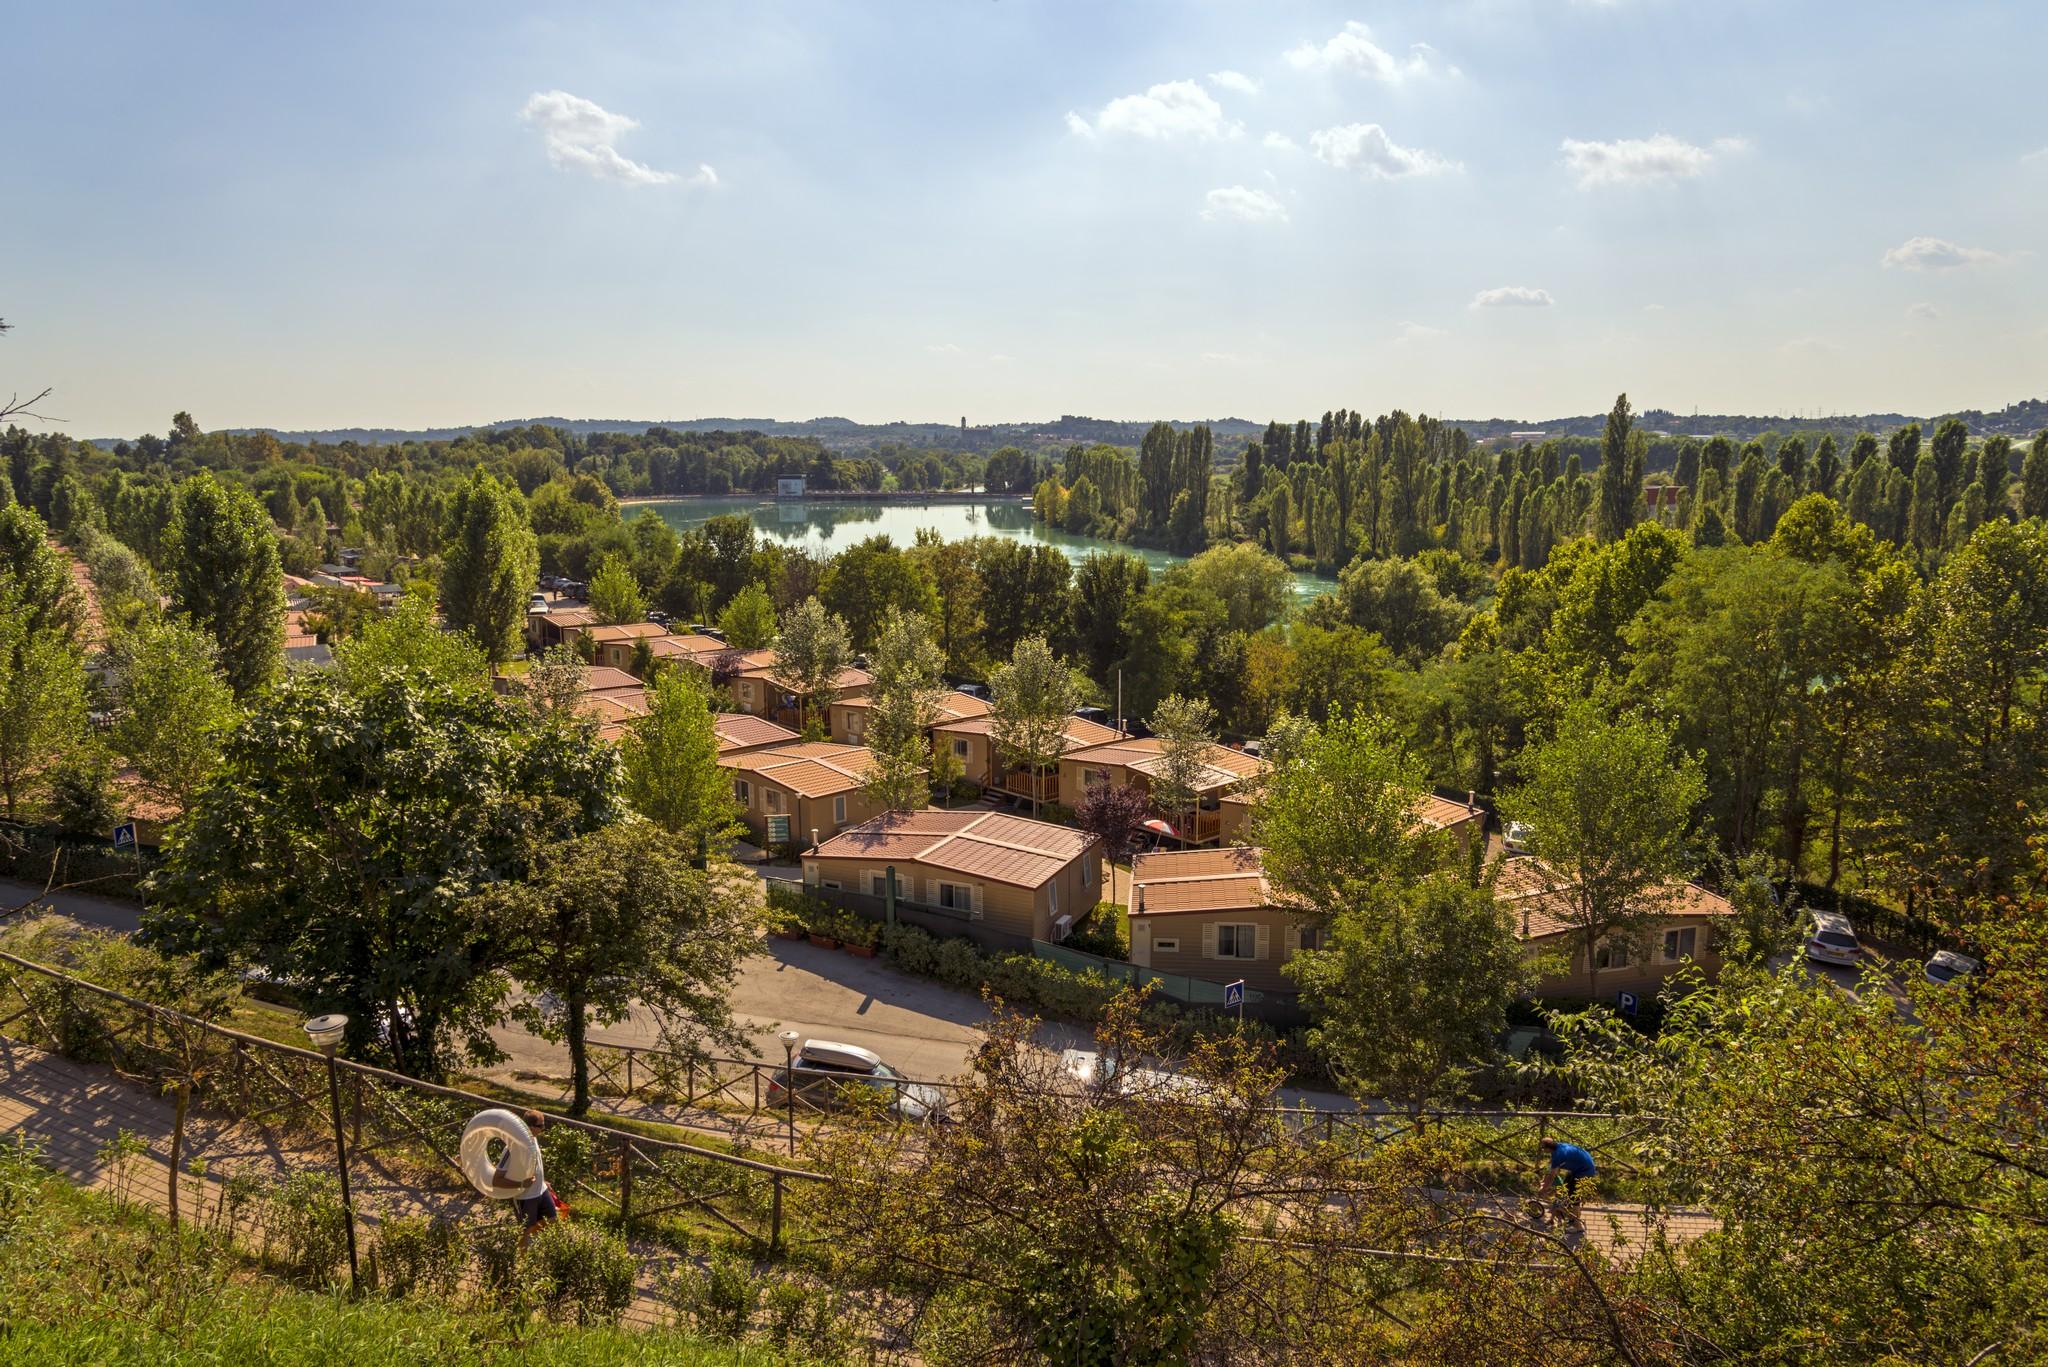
column 827, row 526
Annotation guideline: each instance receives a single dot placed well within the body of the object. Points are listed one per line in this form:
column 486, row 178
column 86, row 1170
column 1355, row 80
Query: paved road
column 921, row 1028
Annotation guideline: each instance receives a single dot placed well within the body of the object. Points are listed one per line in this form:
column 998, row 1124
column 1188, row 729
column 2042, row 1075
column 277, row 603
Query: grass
column 87, row 1280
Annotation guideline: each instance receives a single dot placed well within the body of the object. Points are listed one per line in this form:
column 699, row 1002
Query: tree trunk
column 575, row 1028
column 1592, row 973
column 178, row 1144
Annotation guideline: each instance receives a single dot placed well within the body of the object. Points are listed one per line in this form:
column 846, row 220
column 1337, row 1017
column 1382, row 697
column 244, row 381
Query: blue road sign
column 124, row 836
column 1628, row 1002
column 1233, row 994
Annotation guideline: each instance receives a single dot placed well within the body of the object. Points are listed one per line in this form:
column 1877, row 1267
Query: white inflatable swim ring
column 510, row 1133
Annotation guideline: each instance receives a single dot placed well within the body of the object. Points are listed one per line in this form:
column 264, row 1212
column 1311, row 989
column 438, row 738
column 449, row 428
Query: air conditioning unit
column 1062, row 928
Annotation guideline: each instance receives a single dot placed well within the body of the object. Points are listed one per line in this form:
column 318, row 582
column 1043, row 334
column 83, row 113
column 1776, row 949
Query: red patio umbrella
column 1158, row 827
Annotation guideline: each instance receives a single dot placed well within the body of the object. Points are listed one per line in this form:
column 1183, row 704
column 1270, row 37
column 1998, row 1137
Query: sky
column 413, row 215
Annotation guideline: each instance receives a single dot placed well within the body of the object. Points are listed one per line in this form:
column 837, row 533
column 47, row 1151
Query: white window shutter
column 977, row 901
column 1293, row 940
column 1259, row 937
column 1209, row 940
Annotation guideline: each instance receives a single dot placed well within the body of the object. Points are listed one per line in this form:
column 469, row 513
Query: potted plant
column 858, row 937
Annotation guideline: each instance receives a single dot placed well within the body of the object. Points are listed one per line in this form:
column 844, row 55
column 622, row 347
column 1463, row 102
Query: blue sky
column 429, row 214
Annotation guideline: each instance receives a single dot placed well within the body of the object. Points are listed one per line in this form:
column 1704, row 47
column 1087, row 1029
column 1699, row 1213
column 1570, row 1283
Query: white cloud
column 1635, row 161
column 1171, row 109
column 1237, row 204
column 1366, row 148
column 945, row 349
column 1512, row 297
column 1280, row 142
column 1922, row 313
column 1235, row 81
column 2034, row 158
column 1354, row 53
column 1939, row 254
column 1414, row 334
column 578, row 136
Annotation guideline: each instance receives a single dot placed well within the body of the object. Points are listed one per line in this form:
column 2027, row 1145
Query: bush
column 1103, row 933
column 805, row 1318
column 580, row 1274
column 494, row 1249
column 716, row 1299
column 912, row 950
column 418, row 1253
column 1056, row 812
column 307, row 1227
column 959, row 964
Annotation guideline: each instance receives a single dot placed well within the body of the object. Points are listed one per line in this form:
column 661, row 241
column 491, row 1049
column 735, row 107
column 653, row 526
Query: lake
column 827, row 526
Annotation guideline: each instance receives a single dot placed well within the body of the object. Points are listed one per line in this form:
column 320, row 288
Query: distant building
column 789, row 486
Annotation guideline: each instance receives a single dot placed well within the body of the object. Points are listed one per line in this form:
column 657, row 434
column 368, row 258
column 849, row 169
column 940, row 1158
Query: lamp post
column 326, row 1032
column 788, row 1038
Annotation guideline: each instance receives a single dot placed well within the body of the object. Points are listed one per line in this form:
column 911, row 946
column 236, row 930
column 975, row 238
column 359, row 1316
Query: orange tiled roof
column 743, row 731
column 1175, row 881
column 992, row 845
column 1080, row 733
column 817, row 769
column 953, row 706
column 1530, row 890
column 1146, row 755
column 628, row 631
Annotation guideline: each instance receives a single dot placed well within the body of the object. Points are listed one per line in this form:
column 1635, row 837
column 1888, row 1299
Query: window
column 1313, row 937
column 839, row 811
column 1087, row 872
column 960, row 748
column 1613, row 955
column 1166, row 946
column 742, row 791
column 830, row 884
column 747, row 691
column 956, row 897
column 1679, row 944
column 1237, row 942
column 878, row 884
column 1091, row 777
column 773, row 798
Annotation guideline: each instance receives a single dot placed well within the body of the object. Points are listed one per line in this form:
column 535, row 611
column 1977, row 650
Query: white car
column 536, row 602
column 1947, row 966
column 825, row 1067
column 1833, row 940
column 1090, row 1069
column 1517, row 837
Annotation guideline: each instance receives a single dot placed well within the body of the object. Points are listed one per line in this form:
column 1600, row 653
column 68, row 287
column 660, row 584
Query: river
column 827, row 526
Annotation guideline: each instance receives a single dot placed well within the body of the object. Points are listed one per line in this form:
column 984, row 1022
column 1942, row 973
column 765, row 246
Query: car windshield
column 1941, row 972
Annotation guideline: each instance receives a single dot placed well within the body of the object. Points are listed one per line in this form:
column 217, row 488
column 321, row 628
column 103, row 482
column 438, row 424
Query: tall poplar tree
column 492, row 562
column 1030, row 700
column 226, row 578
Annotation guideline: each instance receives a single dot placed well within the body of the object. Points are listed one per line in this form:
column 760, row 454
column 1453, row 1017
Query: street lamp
column 789, row 1038
column 326, row 1032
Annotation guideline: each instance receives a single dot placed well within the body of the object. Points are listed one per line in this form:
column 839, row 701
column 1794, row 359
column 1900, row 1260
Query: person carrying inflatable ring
column 519, row 1174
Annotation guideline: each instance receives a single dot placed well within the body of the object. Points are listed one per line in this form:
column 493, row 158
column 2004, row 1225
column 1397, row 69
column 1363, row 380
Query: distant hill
column 2022, row 419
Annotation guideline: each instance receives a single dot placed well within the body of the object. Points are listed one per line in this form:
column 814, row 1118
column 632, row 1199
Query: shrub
column 911, row 949
column 580, row 1274
column 1103, row 933
column 308, row 1229
column 958, row 965
column 1056, row 812
column 21, row 1179
column 805, row 1318
column 418, row 1253
column 717, row 1298
column 494, row 1249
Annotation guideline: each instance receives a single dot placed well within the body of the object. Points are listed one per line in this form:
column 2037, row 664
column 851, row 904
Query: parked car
column 1517, row 837
column 1833, row 940
column 1090, row 1069
column 536, row 602
column 1947, row 966
column 827, row 1072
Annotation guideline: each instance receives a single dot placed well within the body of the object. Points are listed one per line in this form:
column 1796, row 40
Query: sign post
column 1233, row 995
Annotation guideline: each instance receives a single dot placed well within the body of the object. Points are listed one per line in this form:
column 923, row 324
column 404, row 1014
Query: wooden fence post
column 625, row 1180
column 629, row 1072
column 178, row 1143
column 775, row 1218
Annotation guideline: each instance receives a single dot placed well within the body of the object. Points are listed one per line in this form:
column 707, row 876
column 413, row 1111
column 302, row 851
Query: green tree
column 616, row 921
column 43, row 588
column 615, row 594
column 1186, row 728
column 42, row 697
column 225, row 578
column 1107, row 585
column 344, row 839
column 671, row 762
column 406, row 641
column 907, row 664
column 1398, row 600
column 2034, row 478
column 1115, row 814
column 557, row 681
column 1413, row 988
column 869, row 580
column 810, row 654
column 1335, row 669
column 1610, row 810
column 1621, row 474
column 490, row 566
column 749, row 619
column 1031, row 699
column 1253, row 587
column 176, row 711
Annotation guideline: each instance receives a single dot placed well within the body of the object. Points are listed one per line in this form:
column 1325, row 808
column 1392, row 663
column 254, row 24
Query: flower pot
column 787, row 933
column 860, row 951
column 824, row 942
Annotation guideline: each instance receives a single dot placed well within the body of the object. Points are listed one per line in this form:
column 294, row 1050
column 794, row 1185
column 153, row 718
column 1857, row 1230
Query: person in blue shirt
column 1569, row 1163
